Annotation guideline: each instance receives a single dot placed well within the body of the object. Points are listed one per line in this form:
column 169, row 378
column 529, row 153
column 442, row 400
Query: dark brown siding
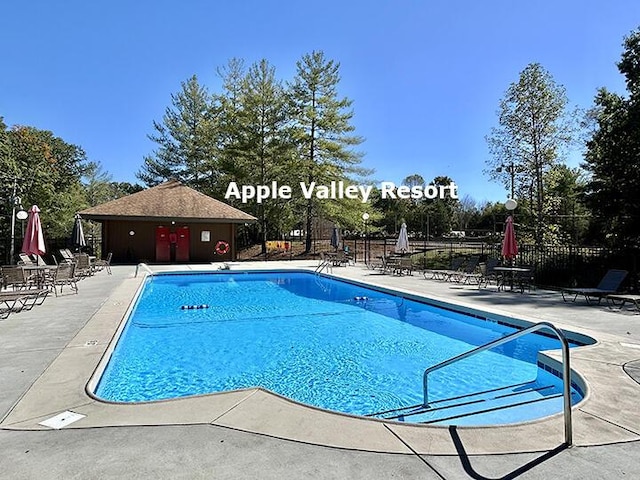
column 140, row 247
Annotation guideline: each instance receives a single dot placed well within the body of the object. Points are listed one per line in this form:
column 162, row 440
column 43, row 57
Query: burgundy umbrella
column 509, row 244
column 33, row 243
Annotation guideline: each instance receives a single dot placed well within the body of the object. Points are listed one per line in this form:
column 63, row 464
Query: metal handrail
column 566, row 369
column 143, row 266
column 324, row 263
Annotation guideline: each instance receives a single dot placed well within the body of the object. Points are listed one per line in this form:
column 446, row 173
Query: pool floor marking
column 62, row 420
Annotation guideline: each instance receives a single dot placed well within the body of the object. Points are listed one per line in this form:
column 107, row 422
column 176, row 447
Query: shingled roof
column 168, row 201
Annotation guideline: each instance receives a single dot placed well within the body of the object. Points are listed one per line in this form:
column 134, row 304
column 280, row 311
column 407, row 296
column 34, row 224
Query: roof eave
column 147, row 218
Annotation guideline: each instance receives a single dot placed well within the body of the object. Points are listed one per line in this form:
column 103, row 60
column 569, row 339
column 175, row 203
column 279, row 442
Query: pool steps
column 476, row 404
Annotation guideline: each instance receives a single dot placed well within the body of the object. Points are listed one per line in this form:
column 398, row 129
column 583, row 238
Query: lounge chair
column 24, row 259
column 624, row 298
column 456, row 266
column 467, row 273
column 20, row 300
column 608, row 286
column 66, row 255
column 390, row 264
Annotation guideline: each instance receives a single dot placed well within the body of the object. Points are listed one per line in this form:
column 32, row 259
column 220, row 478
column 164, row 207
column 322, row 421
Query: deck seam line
column 420, row 457
column 610, row 422
column 232, row 407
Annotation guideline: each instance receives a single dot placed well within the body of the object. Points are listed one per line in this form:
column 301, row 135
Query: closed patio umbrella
column 33, row 243
column 77, row 234
column 509, row 244
column 402, row 244
column 335, row 238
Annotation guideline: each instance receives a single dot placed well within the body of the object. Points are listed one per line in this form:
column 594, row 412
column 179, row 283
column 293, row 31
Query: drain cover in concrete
column 62, row 420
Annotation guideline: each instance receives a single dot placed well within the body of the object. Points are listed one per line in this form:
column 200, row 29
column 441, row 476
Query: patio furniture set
column 30, row 282
column 469, row 270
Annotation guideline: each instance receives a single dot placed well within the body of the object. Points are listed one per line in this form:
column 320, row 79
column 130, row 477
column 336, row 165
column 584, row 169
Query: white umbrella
column 402, row 245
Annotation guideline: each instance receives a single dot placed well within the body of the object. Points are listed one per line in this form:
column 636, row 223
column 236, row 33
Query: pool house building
column 168, row 223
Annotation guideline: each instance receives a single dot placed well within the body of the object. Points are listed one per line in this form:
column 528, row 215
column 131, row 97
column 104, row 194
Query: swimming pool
column 323, row 342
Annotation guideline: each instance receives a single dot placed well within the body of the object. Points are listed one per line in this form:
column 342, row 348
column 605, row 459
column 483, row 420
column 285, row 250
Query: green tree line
column 38, row 168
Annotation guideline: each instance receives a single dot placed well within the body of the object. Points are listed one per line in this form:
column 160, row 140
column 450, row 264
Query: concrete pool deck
column 49, row 353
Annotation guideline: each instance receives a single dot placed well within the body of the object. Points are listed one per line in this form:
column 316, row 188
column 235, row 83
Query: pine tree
column 264, row 149
column 323, row 129
column 185, row 142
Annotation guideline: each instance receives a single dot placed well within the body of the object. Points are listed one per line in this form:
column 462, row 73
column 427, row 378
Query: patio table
column 40, row 272
column 509, row 273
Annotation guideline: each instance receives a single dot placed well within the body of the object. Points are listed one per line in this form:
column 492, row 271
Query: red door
column 182, row 244
column 163, row 246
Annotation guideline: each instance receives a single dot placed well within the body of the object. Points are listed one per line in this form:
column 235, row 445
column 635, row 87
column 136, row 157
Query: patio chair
column 64, row 274
column 340, row 258
column 406, row 266
column 83, row 265
column 525, row 279
column 608, row 286
column 487, row 272
column 104, row 264
column 14, row 276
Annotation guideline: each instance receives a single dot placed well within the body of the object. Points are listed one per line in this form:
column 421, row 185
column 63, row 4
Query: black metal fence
column 554, row 265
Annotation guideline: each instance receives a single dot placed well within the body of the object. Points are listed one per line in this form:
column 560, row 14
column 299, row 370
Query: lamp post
column 365, row 217
column 20, row 214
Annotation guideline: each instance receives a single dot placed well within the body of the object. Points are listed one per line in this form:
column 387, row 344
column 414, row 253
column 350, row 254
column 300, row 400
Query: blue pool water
column 319, row 341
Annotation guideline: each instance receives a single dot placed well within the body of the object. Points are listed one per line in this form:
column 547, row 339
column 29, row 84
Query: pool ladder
column 143, row 266
column 324, row 263
column 427, row 406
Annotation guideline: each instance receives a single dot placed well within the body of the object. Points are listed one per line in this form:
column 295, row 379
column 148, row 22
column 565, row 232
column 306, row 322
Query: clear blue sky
column 425, row 76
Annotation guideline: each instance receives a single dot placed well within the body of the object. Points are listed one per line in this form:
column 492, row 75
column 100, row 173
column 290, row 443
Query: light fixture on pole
column 365, row 217
column 21, row 215
column 511, row 170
